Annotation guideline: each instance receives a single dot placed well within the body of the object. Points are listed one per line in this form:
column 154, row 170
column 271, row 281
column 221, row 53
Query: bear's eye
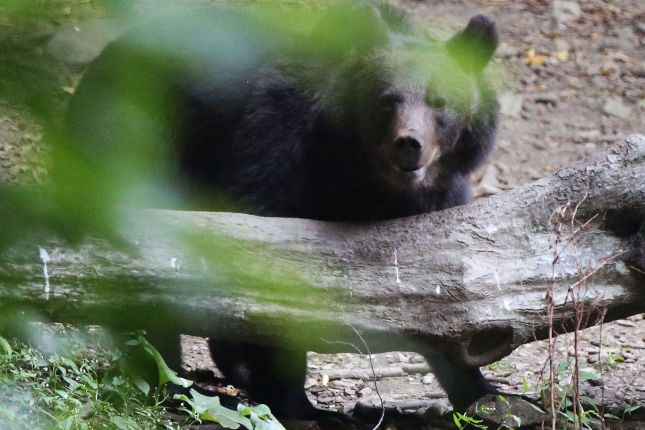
column 388, row 101
column 437, row 102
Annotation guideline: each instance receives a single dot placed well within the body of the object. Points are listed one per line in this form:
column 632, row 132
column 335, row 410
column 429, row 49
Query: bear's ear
column 474, row 46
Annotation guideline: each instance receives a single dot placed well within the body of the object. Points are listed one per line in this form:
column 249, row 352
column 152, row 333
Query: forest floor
column 573, row 84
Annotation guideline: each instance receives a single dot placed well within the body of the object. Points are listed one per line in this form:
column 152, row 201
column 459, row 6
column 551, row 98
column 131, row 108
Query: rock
column 609, row 68
column 639, row 72
column 325, row 400
column 616, row 107
column 437, row 409
column 548, row 98
column 488, row 185
column 402, row 357
column 574, row 82
column 428, row 379
column 561, row 45
column 625, row 323
column 80, row 43
column 511, row 104
column 599, row 82
column 501, row 412
column 507, row 51
column 565, row 11
column 640, row 27
column 365, row 391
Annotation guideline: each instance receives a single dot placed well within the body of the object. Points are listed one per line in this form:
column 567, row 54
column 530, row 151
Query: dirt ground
column 573, row 83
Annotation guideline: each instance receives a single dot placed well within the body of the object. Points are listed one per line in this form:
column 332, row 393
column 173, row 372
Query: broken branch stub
column 470, row 281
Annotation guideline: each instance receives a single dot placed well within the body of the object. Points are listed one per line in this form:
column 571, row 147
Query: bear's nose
column 408, row 150
column 408, row 143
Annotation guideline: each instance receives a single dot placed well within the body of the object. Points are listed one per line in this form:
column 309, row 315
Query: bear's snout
column 408, row 151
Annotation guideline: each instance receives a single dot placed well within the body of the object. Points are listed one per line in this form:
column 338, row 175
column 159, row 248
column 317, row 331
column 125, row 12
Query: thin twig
column 378, row 393
column 368, row 355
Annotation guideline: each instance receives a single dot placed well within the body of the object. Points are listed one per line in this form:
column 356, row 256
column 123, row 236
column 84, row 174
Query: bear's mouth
column 411, row 174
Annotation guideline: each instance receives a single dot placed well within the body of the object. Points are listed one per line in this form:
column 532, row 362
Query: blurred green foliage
column 128, row 122
column 72, row 380
column 114, row 154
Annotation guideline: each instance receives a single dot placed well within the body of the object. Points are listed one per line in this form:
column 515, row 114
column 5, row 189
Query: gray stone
column 561, row 45
column 365, row 391
column 565, row 11
column 640, row 27
column 488, row 185
column 511, row 104
column 506, row 51
column 616, row 107
column 428, row 379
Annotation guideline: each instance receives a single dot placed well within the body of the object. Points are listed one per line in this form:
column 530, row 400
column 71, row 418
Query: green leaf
column 457, row 420
column 166, row 374
column 517, row 420
column 570, row 416
column 260, row 417
column 585, row 375
column 210, row 409
column 534, row 406
column 142, row 385
column 564, row 366
column 525, row 385
column 120, row 423
column 69, row 422
column 588, row 401
column 5, row 347
column 631, row 409
column 611, row 416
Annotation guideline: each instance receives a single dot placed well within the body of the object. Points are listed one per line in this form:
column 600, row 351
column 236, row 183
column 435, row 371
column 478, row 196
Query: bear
column 389, row 128
column 373, row 140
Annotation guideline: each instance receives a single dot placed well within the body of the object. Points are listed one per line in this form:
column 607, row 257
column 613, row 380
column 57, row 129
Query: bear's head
column 416, row 99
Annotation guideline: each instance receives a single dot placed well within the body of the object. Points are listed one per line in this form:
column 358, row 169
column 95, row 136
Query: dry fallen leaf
column 563, row 56
column 230, row 390
column 533, row 59
column 68, row 90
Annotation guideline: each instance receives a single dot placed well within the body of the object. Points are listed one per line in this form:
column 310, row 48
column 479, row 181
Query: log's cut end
column 487, row 345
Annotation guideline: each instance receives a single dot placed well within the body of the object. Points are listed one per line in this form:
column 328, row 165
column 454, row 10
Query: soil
column 571, row 83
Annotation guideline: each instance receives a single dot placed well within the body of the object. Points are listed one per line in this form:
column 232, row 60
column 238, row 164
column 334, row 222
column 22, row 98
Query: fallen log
column 471, row 281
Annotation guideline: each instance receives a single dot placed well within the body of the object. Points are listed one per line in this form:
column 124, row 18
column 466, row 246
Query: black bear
column 392, row 132
column 386, row 129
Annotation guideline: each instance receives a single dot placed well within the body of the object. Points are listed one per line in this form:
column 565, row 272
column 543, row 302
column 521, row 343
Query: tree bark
column 471, row 281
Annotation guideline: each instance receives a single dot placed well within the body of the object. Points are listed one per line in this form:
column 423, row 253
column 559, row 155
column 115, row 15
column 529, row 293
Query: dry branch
column 470, row 281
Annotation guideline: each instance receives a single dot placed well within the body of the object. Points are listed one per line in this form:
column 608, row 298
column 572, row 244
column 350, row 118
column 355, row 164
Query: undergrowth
column 76, row 386
column 70, row 382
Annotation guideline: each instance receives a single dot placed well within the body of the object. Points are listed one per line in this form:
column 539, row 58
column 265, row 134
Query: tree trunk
column 471, row 281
